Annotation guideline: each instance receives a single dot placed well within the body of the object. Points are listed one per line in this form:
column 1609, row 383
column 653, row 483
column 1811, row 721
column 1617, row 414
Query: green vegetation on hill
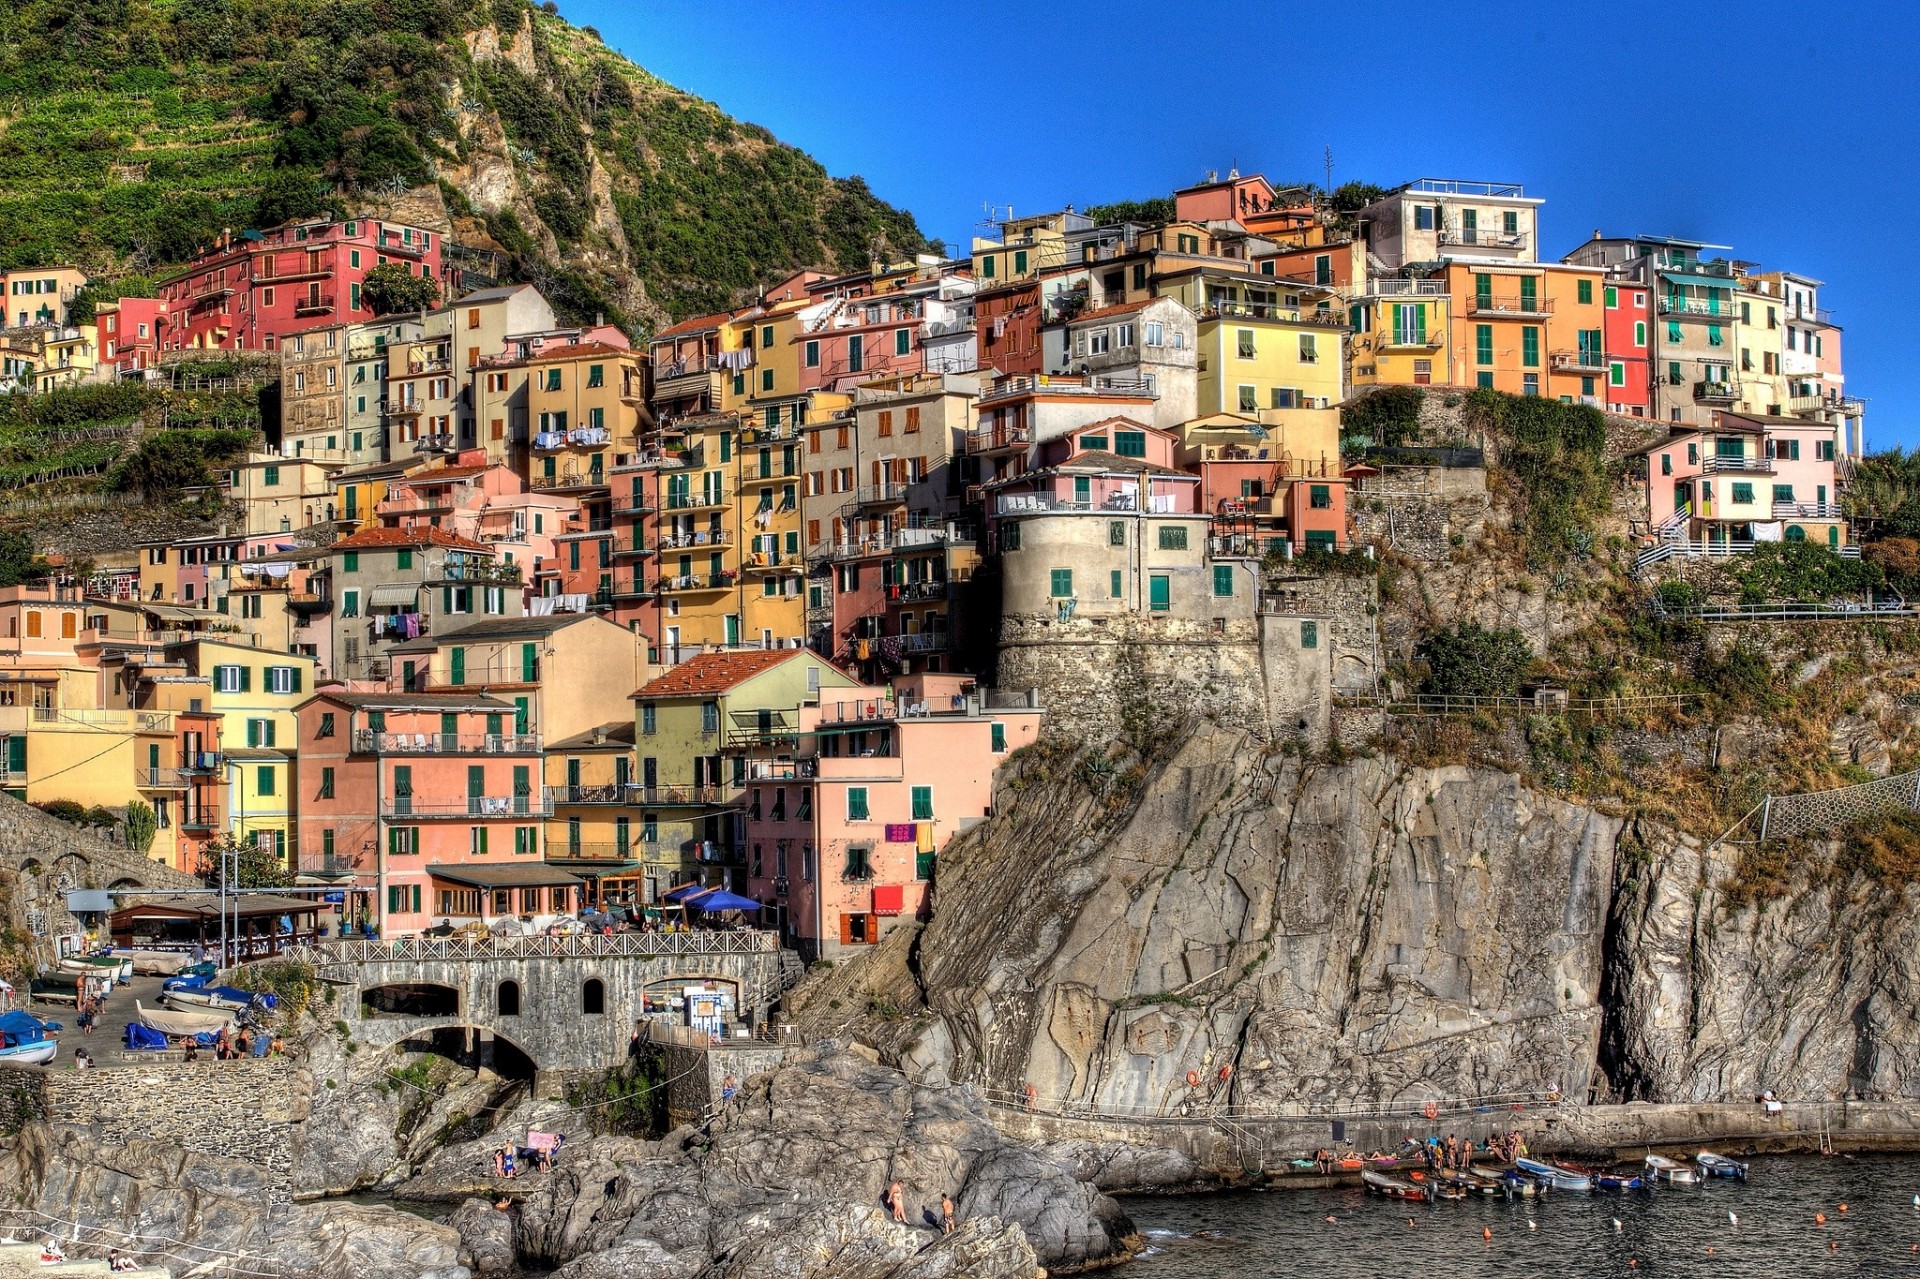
column 134, row 131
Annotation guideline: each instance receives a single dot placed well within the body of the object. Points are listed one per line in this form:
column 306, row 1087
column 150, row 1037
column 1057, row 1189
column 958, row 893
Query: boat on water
column 1671, row 1171
column 1559, row 1176
column 1380, row 1183
column 182, row 1023
column 1468, row 1183
column 1512, row 1180
column 1720, row 1166
column 1624, row 1179
column 24, row 1040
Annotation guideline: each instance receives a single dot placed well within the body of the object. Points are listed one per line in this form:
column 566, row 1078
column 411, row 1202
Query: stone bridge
column 568, row 1003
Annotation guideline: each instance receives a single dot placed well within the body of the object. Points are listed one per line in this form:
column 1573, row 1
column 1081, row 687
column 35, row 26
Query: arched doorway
column 593, row 997
column 506, row 1000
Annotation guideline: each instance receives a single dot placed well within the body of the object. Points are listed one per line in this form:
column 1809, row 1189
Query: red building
column 250, row 290
column 1007, row 324
column 1629, row 376
column 130, row 330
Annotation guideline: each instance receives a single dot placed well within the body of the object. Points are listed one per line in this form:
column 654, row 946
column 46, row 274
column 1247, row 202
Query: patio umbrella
column 720, row 899
column 681, row 891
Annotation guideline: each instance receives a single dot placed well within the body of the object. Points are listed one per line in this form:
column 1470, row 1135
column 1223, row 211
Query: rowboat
column 112, row 967
column 179, row 1023
column 52, row 990
column 1671, row 1171
column 24, row 1041
column 1511, row 1180
column 1469, row 1183
column 154, row 963
column 1559, row 1176
column 1618, row 1181
column 1720, row 1166
column 1379, row 1183
column 211, row 999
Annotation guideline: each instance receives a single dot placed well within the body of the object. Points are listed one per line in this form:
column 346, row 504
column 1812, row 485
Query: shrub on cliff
column 1386, row 418
column 1552, row 458
column 1473, row 661
column 1803, row 572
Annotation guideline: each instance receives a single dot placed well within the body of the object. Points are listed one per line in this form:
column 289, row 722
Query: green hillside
column 132, row 131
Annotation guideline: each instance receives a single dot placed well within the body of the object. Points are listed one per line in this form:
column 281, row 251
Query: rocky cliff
column 1307, row 935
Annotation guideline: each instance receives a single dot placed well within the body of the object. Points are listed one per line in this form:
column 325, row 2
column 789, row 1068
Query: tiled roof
column 576, row 351
column 374, row 538
column 715, row 672
column 1124, row 308
column 697, row 324
column 440, row 474
column 494, row 628
column 452, row 699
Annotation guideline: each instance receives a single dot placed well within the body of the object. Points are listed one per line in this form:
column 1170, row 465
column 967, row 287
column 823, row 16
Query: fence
column 1412, row 455
column 1816, row 812
column 1849, row 612
column 368, row 950
column 1439, row 704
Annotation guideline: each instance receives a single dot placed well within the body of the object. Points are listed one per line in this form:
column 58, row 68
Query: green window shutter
column 1612, row 297
column 1309, row 635
column 529, row 663
column 1584, row 289
column 456, row 666
column 1483, row 343
column 1114, row 584
column 923, row 803
column 253, row 734
column 856, row 803
column 350, row 562
column 405, row 559
column 1159, row 593
column 1223, row 580
column 1530, row 347
column 1420, row 322
column 1062, row 583
column 263, row 779
column 519, row 714
column 246, row 679
column 999, row 737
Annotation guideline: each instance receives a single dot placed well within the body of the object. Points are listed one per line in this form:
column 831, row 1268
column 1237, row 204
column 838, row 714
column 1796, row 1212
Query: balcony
column 368, row 742
column 1716, row 392
column 1578, row 362
column 306, row 604
column 1518, row 306
column 1482, row 238
column 1714, row 464
column 772, row 562
column 880, row 495
column 901, row 539
column 1410, row 340
column 162, row 778
column 660, row 460
column 441, row 442
column 925, row 642
column 999, row 440
column 630, row 504
column 437, row 364
column 1041, row 384
column 572, row 480
column 408, row 806
column 1698, row 308
column 610, row 793
column 1808, row 511
column 602, row 851
column 916, row 592
column 700, row 540
column 1391, row 288
column 633, row 552
column 405, row 248
column 492, row 572
column 637, row 589
column 314, row 305
column 203, row 762
column 201, row 821
column 696, row 500
column 676, row 796
column 685, row 583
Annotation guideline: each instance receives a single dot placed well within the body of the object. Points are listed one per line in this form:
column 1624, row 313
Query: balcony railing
column 1489, row 304
column 496, row 572
column 366, row 741
column 926, row 642
column 1417, row 339
column 313, row 306
column 915, row 592
column 772, row 562
column 695, row 582
column 692, row 541
column 880, row 495
column 676, row 796
column 1578, row 362
column 1096, row 385
column 698, row 499
column 401, row 806
column 1423, row 287
column 609, row 793
column 1699, row 308
column 1807, row 511
column 628, row 504
column 999, row 439
column 1483, row 237
column 203, row 762
column 1715, row 463
column 163, row 778
column 1716, row 392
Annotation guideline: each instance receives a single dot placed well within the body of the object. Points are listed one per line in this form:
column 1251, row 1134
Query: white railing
column 1807, row 511
column 1681, row 549
column 370, row 950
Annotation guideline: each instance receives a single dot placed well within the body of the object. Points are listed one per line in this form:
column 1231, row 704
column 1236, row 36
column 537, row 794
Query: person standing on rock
column 946, row 1213
column 897, row 1201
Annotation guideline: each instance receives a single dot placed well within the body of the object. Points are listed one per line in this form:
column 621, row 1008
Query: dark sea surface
column 1249, row 1234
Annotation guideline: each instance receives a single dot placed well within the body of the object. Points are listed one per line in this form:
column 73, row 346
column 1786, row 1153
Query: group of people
column 897, row 1204
column 513, row 1159
column 1458, row 1154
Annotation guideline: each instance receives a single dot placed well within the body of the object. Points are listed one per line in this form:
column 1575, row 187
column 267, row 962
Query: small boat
column 1379, row 1183
column 1467, row 1183
column 179, row 1023
column 1559, row 1176
column 1671, row 1171
column 215, row 999
column 1623, row 1180
column 1720, row 1166
column 24, row 1041
column 111, row 967
column 153, row 963
column 52, row 990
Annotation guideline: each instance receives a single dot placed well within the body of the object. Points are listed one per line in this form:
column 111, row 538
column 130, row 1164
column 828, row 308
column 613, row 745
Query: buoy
column 1833, row 1245
column 1530, row 1225
column 1193, row 1079
column 1431, row 1110
column 1486, row 1233
column 1226, row 1073
column 1616, row 1225
column 1843, row 1207
column 1819, row 1218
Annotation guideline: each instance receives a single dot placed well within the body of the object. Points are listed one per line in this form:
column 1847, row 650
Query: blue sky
column 1789, row 131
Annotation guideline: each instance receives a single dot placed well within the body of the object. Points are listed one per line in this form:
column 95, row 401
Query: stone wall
column 1420, row 511
column 42, row 859
column 247, row 1110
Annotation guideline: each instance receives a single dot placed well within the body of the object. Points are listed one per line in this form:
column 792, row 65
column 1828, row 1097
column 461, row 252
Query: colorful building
column 39, row 295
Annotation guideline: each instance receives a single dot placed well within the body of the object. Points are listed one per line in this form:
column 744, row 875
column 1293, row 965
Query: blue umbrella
column 683, row 890
column 720, row 899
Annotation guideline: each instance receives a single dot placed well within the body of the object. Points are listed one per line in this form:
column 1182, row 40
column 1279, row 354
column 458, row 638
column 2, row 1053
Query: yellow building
column 1263, row 344
column 1402, row 332
column 580, row 405
column 255, row 691
column 358, row 492
column 594, row 830
column 1026, row 247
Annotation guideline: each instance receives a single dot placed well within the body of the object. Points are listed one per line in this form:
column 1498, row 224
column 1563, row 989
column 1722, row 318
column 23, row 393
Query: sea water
column 1764, row 1229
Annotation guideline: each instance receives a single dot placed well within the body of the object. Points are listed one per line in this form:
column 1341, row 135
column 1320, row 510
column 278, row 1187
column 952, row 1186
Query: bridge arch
column 412, row 999
column 471, row 1042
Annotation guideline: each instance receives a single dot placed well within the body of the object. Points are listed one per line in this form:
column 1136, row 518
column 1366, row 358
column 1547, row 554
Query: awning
column 1697, row 281
column 675, row 893
column 594, row 867
column 174, row 613
column 393, row 595
column 720, row 899
column 534, row 875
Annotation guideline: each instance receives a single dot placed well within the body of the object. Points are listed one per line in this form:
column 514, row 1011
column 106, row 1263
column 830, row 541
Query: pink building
column 843, row 837
column 488, row 504
column 1746, row 478
column 250, row 290
column 425, row 807
column 1116, row 464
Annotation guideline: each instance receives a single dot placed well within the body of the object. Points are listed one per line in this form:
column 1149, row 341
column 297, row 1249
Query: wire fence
column 1818, row 812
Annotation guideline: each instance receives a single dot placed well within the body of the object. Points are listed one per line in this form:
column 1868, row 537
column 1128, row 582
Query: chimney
column 1596, row 233
column 599, row 318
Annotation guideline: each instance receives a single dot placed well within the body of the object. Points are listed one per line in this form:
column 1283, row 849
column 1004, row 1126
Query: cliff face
column 1313, row 935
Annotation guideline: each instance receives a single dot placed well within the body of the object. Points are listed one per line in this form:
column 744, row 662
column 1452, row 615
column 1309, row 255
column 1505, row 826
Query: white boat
column 154, row 963
column 24, row 1041
column 1671, row 1171
column 112, row 967
column 1559, row 1176
column 208, row 999
column 181, row 1023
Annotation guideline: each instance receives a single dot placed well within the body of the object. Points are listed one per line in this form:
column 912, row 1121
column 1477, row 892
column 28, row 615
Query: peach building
column 843, row 835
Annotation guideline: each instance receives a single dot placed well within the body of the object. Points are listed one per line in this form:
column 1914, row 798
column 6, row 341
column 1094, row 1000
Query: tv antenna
column 1329, row 163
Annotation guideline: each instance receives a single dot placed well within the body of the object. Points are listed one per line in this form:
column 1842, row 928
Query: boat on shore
column 1720, row 1166
column 112, row 967
column 1671, row 1171
column 1559, row 1176
column 212, row 999
column 182, row 1023
column 1380, row 1183
column 24, row 1040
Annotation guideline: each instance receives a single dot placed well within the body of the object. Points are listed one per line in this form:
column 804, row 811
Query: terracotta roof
column 575, row 351
column 715, row 672
column 378, row 537
column 1125, row 308
column 441, row 473
column 450, row 699
column 696, row 324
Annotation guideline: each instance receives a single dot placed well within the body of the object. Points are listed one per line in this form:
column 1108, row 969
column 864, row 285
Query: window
column 1243, row 343
column 1742, row 491
column 350, row 603
column 1173, row 537
column 902, row 341
column 326, row 784
column 649, row 718
column 1309, row 634
column 263, row 779
column 1223, row 580
column 813, row 355
column 1156, row 333
column 230, row 679
column 1639, row 332
column 1673, row 332
column 1130, row 443
column 1115, row 584
column 1715, row 337
column 1062, row 583
column 350, row 562
column 986, row 267
column 403, row 899
column 1612, row 298
column 1529, row 384
column 1666, row 464
column 1783, row 492
column 403, row 840
column 1423, row 217
column 1583, row 291
column 283, row 679
column 923, row 803
column 326, row 724
column 1309, row 350
column 1123, row 334
column 1483, row 344
column 856, row 803
column 593, row 997
column 1249, row 398
column 477, row 840
column 766, row 379
column 1116, row 532
column 1616, row 374
column 1320, row 497
column 709, row 718
column 1009, row 537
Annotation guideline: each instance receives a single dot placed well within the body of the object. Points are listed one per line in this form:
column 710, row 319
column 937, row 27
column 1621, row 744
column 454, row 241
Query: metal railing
column 368, row 741
column 999, row 438
column 1807, row 511
column 1481, row 237
column 702, row 538
column 676, row 501
column 696, row 582
column 605, row 793
column 1489, row 304
column 1414, row 338
column 1706, row 550
column 1714, row 463
column 400, row 806
column 163, row 778
column 676, row 796
column 880, row 494
column 365, row 950
column 1698, row 308
column 1833, row 610
column 1578, row 362
column 1097, row 384
column 1716, row 392
column 1424, row 287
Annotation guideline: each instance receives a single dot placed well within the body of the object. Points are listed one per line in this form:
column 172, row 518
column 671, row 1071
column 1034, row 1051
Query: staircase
column 1671, row 526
